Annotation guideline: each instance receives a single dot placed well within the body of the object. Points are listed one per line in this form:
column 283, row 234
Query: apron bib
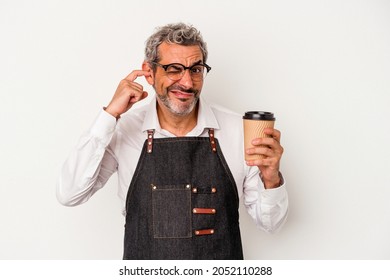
column 182, row 202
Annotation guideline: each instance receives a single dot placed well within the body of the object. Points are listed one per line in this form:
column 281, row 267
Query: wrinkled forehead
column 174, row 53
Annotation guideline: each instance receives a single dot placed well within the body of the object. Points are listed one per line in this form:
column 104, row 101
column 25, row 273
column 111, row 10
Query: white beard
column 178, row 108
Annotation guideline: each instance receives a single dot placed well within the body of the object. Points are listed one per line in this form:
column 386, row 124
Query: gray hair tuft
column 178, row 33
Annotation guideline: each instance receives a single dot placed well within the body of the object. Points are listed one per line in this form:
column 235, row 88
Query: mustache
column 186, row 90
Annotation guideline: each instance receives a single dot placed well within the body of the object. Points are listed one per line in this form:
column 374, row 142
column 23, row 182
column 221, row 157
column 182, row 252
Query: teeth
column 181, row 93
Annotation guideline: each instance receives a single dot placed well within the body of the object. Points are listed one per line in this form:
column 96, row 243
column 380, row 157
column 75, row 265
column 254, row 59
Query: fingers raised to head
column 137, row 73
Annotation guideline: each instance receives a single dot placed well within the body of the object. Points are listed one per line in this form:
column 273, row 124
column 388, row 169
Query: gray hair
column 179, row 33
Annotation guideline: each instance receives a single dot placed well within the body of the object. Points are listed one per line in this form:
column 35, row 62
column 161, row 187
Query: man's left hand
column 271, row 152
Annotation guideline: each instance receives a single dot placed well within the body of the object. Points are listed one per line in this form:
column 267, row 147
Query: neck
column 175, row 124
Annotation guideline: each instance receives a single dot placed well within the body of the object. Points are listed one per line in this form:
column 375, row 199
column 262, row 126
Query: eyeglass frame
column 165, row 67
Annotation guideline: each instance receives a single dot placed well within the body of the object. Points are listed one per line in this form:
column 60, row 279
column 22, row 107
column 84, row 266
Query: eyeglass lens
column 176, row 72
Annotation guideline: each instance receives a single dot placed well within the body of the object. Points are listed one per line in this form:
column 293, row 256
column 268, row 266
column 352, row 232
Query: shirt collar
column 206, row 118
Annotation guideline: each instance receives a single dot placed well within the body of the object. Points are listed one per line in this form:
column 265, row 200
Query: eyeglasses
column 175, row 71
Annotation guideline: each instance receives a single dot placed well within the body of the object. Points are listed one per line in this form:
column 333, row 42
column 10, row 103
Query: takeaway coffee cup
column 254, row 124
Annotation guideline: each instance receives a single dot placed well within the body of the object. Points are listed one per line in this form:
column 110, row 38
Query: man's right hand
column 127, row 94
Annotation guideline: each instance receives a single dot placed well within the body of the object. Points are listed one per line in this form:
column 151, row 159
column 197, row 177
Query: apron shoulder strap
column 150, row 141
column 212, row 140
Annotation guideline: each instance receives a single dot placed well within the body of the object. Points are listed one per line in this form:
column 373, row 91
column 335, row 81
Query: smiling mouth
column 182, row 94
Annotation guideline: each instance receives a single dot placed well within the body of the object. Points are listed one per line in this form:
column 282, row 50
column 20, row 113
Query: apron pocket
column 171, row 211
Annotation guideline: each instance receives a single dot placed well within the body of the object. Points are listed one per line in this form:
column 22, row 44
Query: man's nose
column 186, row 80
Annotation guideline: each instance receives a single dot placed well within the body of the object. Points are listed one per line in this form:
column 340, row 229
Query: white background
column 323, row 67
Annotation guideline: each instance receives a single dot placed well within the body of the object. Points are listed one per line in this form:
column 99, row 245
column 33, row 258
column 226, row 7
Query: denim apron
column 182, row 202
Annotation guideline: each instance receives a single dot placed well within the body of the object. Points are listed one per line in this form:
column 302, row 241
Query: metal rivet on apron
column 188, row 186
column 194, row 190
column 154, row 187
column 193, row 210
column 213, row 190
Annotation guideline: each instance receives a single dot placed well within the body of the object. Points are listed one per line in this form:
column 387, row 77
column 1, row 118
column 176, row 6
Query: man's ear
column 146, row 67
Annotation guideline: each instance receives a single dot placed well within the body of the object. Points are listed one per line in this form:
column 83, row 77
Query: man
column 179, row 160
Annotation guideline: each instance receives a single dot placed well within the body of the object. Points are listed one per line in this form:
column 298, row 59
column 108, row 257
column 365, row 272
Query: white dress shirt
column 111, row 145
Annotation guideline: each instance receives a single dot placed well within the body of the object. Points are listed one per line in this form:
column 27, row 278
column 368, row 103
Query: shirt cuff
column 104, row 126
column 276, row 193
